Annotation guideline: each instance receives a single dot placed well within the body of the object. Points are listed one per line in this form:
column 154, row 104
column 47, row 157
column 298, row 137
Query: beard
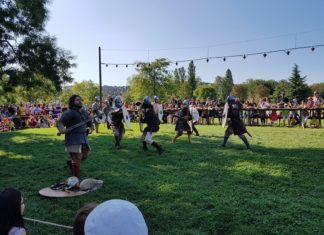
column 78, row 106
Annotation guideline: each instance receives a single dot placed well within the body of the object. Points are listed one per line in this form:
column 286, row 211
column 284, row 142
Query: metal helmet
column 97, row 98
column 147, row 100
column 185, row 102
column 230, row 98
column 72, row 181
column 156, row 98
column 118, row 101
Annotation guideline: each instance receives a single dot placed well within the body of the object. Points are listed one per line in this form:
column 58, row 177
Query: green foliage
column 240, row 91
column 26, row 49
column 88, row 90
column 223, row 85
column 298, row 87
column 318, row 87
column 198, row 188
column 192, row 79
column 204, row 92
column 265, row 88
column 152, row 79
column 179, row 76
column 281, row 91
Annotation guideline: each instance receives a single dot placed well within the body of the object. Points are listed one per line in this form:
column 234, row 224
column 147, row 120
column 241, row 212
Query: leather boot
column 246, row 142
column 144, row 145
column 225, row 141
column 76, row 170
column 158, row 147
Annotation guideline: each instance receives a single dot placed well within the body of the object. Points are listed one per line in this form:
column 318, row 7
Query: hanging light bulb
column 264, row 55
column 244, row 57
column 207, row 60
column 224, row 59
column 313, row 48
column 287, row 52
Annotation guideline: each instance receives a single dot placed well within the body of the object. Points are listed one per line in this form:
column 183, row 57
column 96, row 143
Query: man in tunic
column 153, row 125
column 184, row 122
column 76, row 141
column 235, row 123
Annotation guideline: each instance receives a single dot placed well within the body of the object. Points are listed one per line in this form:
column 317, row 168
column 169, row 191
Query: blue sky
column 144, row 30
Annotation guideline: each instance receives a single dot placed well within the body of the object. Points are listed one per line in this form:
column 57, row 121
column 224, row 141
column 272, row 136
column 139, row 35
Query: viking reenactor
column 234, row 121
column 158, row 108
column 107, row 112
column 76, row 141
column 95, row 112
column 184, row 122
column 117, row 121
column 195, row 118
column 149, row 117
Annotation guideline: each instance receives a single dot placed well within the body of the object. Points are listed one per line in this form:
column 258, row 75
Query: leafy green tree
column 26, row 49
column 298, row 88
column 88, row 90
column 281, row 91
column 261, row 91
column 155, row 73
column 205, row 91
column 241, row 91
column 192, row 80
column 44, row 91
column 318, row 87
column 179, row 76
column 223, row 85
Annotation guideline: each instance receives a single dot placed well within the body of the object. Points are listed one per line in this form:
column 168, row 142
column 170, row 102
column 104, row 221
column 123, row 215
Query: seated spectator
column 12, row 206
column 314, row 123
column 115, row 217
column 81, row 216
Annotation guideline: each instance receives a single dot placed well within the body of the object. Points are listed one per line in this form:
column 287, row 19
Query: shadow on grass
column 196, row 188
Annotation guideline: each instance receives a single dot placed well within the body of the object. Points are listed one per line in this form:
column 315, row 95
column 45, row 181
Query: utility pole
column 100, row 81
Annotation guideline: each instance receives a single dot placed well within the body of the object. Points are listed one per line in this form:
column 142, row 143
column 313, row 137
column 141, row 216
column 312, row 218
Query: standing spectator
column 12, row 206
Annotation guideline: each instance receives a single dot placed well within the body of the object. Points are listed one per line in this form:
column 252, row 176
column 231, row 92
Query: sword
column 79, row 124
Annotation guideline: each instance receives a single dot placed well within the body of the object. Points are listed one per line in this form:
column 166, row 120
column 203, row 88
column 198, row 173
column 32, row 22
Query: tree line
column 34, row 69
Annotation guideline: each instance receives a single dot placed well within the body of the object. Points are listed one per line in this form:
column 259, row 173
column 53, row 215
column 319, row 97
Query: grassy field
column 198, row 188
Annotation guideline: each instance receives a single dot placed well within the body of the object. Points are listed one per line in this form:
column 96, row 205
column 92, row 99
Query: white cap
column 115, row 217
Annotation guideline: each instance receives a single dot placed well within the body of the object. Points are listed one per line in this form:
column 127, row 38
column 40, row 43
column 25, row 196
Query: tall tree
column 223, row 85
column 298, row 87
column 205, row 91
column 26, row 49
column 281, row 91
column 318, row 87
column 192, row 80
column 155, row 72
column 88, row 90
column 240, row 91
column 179, row 75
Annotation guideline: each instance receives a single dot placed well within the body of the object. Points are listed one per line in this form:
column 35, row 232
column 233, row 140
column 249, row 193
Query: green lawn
column 198, row 188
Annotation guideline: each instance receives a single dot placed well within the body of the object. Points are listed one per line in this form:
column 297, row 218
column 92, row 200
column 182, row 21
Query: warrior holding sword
column 148, row 116
column 76, row 140
column 233, row 120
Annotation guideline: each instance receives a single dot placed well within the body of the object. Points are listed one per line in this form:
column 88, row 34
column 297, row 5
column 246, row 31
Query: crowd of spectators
column 288, row 112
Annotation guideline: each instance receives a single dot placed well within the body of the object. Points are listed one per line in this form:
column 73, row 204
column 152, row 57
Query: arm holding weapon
column 140, row 115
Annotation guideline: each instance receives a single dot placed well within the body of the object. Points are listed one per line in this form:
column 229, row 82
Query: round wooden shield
column 48, row 192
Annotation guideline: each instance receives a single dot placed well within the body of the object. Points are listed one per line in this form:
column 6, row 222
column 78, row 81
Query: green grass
column 277, row 188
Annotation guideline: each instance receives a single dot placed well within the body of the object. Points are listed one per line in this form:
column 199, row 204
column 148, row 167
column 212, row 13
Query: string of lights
column 244, row 56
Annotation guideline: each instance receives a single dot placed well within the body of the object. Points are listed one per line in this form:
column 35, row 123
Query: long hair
column 80, row 218
column 10, row 210
column 71, row 100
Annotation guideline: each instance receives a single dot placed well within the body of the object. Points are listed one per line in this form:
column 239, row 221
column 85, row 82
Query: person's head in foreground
column 115, row 217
